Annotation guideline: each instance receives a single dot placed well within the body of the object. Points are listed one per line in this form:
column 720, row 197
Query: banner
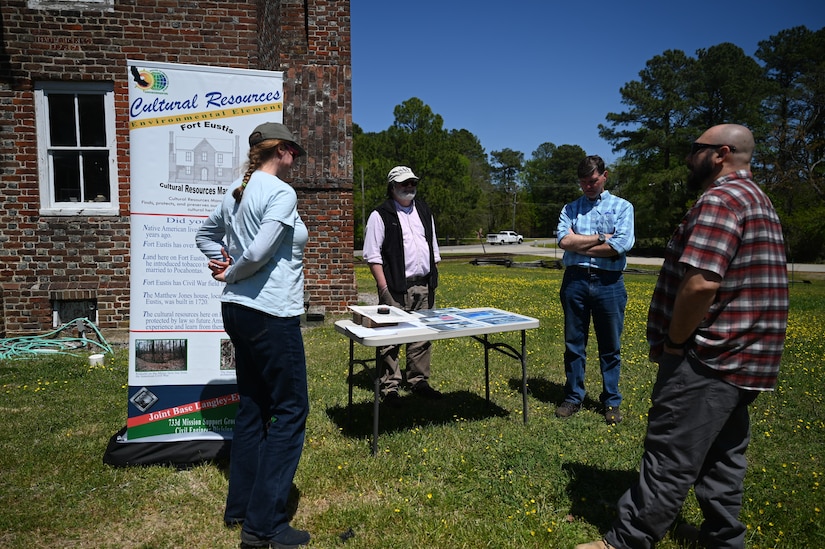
column 188, row 131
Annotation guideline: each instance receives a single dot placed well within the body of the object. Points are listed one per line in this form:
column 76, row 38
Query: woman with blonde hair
column 255, row 243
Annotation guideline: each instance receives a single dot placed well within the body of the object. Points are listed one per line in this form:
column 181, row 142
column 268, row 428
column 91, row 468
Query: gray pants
column 697, row 433
column 418, row 353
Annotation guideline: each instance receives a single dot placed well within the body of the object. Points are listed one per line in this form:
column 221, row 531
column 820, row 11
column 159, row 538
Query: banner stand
column 180, row 454
column 188, row 143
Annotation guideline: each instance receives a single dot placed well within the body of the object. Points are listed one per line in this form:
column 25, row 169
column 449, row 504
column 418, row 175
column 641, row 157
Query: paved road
column 536, row 248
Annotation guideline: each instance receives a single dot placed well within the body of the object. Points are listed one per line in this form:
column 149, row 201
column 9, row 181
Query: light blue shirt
column 607, row 214
column 266, row 238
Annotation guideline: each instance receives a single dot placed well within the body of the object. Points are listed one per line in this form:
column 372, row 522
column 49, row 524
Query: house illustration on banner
column 203, row 160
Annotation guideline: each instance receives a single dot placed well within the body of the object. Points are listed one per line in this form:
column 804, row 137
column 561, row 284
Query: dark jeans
column 600, row 295
column 698, row 429
column 270, row 425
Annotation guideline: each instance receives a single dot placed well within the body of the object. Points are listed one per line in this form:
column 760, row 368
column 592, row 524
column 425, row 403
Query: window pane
column 92, row 120
column 66, row 165
column 61, row 120
column 96, row 175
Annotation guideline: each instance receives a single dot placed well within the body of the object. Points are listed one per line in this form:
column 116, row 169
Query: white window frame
column 48, row 204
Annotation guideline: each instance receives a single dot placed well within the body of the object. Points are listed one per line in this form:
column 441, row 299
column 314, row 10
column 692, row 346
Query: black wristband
column 673, row 345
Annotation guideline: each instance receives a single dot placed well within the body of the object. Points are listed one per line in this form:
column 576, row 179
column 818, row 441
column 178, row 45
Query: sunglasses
column 696, row 147
column 293, row 150
column 408, row 183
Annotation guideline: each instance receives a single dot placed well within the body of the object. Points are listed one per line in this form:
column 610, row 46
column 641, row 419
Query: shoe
column 249, row 541
column 288, row 538
column 612, row 416
column 567, row 409
column 423, row 389
column 601, row 544
column 392, row 400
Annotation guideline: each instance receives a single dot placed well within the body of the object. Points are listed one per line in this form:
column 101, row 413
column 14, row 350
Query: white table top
column 435, row 324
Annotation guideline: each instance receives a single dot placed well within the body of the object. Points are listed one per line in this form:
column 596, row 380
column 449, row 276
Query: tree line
column 779, row 93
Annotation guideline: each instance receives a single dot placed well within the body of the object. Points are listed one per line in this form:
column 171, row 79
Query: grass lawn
column 456, row 473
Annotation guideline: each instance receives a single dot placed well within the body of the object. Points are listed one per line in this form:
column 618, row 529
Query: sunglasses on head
column 696, row 147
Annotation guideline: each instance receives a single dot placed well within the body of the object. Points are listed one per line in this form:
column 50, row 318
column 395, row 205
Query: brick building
column 64, row 222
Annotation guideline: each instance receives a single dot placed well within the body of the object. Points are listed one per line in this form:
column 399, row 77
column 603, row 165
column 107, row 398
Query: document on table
column 363, row 331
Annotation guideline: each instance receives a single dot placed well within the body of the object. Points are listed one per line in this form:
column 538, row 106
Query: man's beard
column 700, row 175
column 404, row 194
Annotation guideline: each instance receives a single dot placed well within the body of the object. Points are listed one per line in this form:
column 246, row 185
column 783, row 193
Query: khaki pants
column 418, row 353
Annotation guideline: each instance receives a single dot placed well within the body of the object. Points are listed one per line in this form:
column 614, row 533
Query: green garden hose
column 54, row 343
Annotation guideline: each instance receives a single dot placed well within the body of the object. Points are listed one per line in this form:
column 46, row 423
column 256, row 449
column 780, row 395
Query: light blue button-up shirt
column 608, row 214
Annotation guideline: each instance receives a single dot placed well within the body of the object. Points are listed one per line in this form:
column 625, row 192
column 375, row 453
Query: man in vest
column 401, row 249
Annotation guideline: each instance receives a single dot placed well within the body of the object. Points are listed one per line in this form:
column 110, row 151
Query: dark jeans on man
column 601, row 295
column 698, row 429
column 270, row 425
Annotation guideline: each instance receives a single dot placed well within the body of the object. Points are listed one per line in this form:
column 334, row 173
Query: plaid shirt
column 733, row 231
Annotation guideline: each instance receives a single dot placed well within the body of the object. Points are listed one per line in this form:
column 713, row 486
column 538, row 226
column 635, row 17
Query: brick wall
column 330, row 283
column 47, row 258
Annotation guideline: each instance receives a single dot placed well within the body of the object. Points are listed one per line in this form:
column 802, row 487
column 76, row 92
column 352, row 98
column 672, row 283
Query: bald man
column 716, row 328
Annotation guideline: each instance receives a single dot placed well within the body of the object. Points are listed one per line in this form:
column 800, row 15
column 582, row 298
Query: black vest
column 392, row 250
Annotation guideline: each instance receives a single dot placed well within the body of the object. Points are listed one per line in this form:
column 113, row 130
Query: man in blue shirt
column 595, row 232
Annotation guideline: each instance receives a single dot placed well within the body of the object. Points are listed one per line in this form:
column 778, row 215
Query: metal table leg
column 507, row 350
column 486, row 368
column 376, row 401
column 524, row 374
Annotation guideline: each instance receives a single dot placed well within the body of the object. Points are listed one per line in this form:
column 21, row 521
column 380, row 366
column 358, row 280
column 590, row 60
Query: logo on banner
column 143, row 399
column 152, row 80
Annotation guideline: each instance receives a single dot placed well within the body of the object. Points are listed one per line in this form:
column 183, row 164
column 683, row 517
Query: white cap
column 399, row 174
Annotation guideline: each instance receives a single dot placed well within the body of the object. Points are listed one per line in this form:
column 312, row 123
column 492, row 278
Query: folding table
column 431, row 325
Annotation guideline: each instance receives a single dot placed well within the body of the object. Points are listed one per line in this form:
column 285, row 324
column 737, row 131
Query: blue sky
column 521, row 73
